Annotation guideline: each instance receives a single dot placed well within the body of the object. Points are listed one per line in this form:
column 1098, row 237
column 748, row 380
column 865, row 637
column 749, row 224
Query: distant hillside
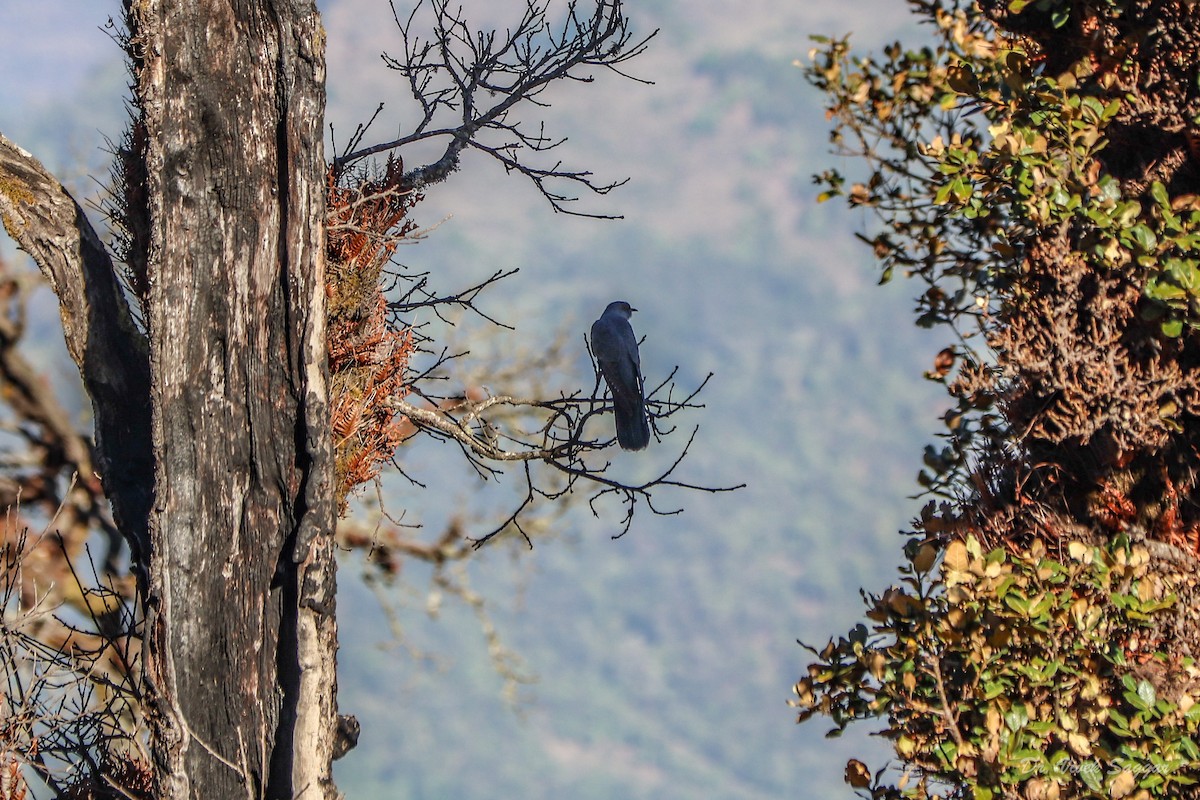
column 665, row 658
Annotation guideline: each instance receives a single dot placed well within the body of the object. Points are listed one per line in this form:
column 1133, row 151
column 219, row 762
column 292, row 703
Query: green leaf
column 1127, row 211
column 1109, row 189
column 1145, row 690
column 1017, row 717
column 1092, row 104
column 1091, row 774
column 1029, row 762
column 1163, row 290
column 1159, row 193
column 1173, row 328
column 962, row 189
column 1059, row 196
column 1042, row 606
column 1017, row 602
column 1185, row 273
column 1188, row 746
column 974, row 549
column 1141, row 236
column 1154, row 606
column 993, row 689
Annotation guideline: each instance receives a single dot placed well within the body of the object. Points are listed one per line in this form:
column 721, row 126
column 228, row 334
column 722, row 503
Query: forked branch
column 554, row 433
column 467, row 83
column 108, row 348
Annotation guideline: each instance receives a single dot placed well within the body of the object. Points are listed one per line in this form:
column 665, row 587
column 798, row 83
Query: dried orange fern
column 12, row 782
column 368, row 353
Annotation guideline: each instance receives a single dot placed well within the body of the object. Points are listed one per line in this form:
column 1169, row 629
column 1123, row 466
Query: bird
column 616, row 349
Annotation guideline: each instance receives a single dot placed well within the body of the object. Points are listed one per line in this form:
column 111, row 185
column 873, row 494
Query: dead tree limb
column 467, row 83
column 555, row 435
column 110, row 351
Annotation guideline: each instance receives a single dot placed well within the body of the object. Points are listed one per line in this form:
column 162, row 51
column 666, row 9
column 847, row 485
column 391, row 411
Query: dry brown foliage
column 12, row 782
column 1100, row 433
column 368, row 354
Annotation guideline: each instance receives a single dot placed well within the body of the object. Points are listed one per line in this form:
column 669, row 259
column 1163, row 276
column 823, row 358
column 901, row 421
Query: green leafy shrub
column 1032, row 675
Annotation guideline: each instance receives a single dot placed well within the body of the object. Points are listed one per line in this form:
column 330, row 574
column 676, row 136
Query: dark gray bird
column 616, row 351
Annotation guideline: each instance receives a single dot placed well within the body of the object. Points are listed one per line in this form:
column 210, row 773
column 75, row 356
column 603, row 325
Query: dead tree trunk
column 213, row 426
column 240, row 604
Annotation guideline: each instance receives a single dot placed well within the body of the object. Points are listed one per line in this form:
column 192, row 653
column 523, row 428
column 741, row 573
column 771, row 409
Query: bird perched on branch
column 616, row 351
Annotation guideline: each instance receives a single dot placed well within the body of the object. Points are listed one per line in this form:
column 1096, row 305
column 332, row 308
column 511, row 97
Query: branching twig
column 474, row 79
column 558, row 439
column 418, row 296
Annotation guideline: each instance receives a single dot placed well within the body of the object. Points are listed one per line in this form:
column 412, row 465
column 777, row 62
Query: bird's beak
column 632, row 309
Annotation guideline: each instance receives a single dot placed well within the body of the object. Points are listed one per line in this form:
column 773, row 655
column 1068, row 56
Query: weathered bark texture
column 101, row 337
column 240, row 620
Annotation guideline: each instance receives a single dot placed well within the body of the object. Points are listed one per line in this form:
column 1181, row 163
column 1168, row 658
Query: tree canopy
column 1035, row 168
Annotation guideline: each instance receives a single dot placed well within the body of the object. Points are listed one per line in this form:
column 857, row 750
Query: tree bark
column 240, row 609
column 100, row 334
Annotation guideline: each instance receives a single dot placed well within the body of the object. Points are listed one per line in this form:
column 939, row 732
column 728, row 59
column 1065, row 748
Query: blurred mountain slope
column 664, row 657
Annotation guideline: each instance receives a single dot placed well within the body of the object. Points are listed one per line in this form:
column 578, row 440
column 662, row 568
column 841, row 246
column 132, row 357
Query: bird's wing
column 616, row 350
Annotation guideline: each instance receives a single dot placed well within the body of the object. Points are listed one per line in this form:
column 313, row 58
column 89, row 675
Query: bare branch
column 553, row 434
column 417, row 296
column 72, row 702
column 110, row 352
column 475, row 78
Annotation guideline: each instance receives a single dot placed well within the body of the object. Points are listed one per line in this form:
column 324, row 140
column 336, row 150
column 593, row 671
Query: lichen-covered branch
column 110, row 351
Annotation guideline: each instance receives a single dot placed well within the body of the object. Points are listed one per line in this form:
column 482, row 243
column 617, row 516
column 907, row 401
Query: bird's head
column 620, row 307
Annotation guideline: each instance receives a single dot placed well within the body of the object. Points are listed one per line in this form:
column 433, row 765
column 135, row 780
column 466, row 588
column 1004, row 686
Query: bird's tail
column 633, row 429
